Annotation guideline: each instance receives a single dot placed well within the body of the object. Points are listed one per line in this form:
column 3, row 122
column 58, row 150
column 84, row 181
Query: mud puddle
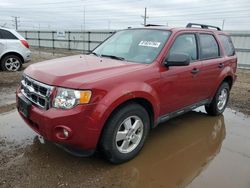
column 194, row 150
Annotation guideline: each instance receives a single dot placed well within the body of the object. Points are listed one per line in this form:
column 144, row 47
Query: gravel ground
column 239, row 100
column 240, row 94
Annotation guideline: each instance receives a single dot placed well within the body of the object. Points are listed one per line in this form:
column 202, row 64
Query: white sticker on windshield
column 150, row 44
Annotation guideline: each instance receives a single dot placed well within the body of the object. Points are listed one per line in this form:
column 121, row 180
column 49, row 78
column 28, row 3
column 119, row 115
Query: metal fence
column 86, row 41
column 71, row 40
column 241, row 42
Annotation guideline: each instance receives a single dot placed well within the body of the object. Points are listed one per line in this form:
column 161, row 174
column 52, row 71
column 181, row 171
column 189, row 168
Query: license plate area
column 24, row 106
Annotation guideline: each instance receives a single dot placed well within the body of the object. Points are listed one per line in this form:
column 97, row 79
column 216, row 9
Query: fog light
column 62, row 132
column 66, row 133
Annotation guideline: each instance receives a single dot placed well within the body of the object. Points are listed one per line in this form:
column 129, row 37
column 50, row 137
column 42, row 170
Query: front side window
column 185, row 44
column 6, row 34
column 209, row 47
column 227, row 44
column 137, row 45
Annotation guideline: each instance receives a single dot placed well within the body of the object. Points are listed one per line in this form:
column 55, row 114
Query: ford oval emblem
column 31, row 89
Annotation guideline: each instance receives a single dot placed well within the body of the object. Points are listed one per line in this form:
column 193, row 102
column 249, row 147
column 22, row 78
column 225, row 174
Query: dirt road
column 240, row 94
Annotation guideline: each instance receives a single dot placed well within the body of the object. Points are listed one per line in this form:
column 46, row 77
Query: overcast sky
column 114, row 14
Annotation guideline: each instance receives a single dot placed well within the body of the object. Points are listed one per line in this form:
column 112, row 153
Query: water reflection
column 175, row 153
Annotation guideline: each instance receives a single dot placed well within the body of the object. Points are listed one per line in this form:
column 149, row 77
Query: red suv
column 136, row 79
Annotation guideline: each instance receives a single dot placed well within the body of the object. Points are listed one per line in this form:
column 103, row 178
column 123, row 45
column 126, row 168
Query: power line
column 86, row 3
column 101, row 12
column 107, row 10
column 64, row 4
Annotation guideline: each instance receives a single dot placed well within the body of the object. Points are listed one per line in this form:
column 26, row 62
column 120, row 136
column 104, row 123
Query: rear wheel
column 125, row 133
column 11, row 63
column 219, row 102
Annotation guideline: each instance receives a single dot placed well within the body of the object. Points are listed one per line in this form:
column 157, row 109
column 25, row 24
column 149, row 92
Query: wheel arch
column 227, row 75
column 138, row 100
column 12, row 53
column 229, row 80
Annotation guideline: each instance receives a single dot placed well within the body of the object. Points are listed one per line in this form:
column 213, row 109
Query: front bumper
column 84, row 129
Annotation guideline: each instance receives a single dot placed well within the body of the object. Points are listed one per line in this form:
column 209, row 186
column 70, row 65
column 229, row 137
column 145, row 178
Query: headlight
column 68, row 98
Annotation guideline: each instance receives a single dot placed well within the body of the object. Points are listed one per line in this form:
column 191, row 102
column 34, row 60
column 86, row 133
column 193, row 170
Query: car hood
column 74, row 71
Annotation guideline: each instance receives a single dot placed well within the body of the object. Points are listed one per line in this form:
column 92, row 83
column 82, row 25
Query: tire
column 11, row 63
column 220, row 100
column 118, row 142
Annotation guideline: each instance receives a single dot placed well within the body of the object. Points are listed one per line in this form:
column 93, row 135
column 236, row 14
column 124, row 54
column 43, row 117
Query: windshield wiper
column 113, row 57
column 98, row 55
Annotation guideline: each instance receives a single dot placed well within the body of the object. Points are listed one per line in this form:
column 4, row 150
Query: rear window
column 227, row 44
column 6, row 35
column 209, row 46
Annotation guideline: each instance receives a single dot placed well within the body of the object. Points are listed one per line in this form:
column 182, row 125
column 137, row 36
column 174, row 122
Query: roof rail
column 203, row 26
column 149, row 25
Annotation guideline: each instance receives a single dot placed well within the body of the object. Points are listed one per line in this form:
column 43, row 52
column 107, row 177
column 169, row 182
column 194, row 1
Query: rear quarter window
column 6, row 35
column 227, row 44
column 209, row 46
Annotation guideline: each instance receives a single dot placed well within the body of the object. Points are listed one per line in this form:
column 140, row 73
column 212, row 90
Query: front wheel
column 125, row 133
column 220, row 100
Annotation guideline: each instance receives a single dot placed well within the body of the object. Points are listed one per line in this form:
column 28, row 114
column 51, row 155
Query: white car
column 14, row 50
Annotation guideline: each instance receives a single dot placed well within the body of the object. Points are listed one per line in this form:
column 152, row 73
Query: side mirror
column 177, row 60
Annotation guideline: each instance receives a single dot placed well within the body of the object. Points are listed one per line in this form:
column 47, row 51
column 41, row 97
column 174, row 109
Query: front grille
column 37, row 92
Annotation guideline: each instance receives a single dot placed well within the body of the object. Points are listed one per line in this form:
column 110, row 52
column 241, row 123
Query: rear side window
column 6, row 35
column 209, row 46
column 185, row 44
column 227, row 44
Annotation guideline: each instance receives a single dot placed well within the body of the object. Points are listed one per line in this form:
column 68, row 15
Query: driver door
column 181, row 84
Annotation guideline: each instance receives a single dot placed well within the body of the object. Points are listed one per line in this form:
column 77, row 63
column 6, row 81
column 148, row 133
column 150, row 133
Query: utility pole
column 83, row 32
column 16, row 22
column 145, row 17
column 84, row 19
column 223, row 23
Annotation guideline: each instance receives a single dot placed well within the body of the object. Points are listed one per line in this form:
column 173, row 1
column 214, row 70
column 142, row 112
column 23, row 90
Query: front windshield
column 137, row 45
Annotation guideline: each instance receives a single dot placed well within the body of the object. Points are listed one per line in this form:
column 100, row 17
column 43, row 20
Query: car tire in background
column 11, row 63
column 220, row 100
column 125, row 133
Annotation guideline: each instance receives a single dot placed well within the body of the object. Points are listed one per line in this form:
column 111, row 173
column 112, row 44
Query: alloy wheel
column 129, row 134
column 222, row 99
column 12, row 64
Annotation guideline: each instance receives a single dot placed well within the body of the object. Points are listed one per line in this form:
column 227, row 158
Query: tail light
column 25, row 43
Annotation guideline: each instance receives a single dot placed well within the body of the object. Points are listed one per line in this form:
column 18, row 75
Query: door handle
column 195, row 71
column 221, row 65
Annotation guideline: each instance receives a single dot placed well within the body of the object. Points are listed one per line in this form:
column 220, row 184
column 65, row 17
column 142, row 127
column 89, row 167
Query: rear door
column 229, row 51
column 212, row 63
column 10, row 40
